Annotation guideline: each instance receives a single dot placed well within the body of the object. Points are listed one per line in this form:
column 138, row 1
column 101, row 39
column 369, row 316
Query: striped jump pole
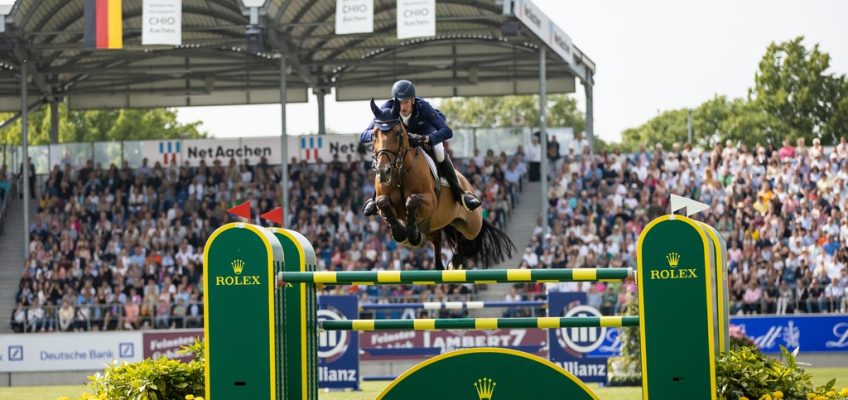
column 457, row 276
column 477, row 323
column 456, row 305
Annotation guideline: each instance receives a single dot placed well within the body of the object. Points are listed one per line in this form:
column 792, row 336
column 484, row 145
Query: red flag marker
column 242, row 210
column 275, row 215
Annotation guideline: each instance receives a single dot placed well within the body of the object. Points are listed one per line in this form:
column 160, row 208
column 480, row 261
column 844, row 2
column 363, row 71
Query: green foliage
column 101, row 125
column 159, row 379
column 626, row 369
column 745, row 372
column 793, row 97
column 498, row 112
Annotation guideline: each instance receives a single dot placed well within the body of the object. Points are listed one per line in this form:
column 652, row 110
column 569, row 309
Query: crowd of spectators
column 121, row 249
column 781, row 210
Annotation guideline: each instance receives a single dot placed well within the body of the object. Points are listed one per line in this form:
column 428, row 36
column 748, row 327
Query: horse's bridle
column 398, row 155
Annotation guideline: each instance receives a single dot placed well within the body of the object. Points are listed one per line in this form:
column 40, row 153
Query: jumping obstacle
column 681, row 320
column 476, row 323
column 455, row 305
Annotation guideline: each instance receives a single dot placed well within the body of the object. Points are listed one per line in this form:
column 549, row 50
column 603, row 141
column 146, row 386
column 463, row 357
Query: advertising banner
column 425, row 344
column 416, row 18
column 812, row 333
column 161, row 22
column 167, row 343
column 577, row 349
column 309, row 148
column 338, row 351
column 67, row 351
column 533, row 18
column 354, row 16
column 561, row 43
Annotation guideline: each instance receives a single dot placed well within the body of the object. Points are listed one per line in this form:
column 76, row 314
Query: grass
column 370, row 390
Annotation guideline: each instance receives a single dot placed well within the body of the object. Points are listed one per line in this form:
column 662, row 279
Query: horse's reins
column 398, row 158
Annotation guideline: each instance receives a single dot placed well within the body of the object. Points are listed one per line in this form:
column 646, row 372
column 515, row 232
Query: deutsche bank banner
column 577, row 350
column 338, row 351
column 812, row 333
column 354, row 16
column 67, row 351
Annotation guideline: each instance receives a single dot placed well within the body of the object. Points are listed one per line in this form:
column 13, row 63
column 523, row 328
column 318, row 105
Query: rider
column 429, row 127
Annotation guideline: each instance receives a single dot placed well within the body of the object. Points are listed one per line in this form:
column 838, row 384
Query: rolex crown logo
column 673, row 259
column 238, row 266
column 485, row 388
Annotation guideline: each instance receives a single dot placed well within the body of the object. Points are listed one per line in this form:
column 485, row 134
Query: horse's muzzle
column 385, row 175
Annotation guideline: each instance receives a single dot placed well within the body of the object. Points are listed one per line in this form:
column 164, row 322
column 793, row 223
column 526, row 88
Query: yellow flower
column 189, row 397
column 843, row 392
column 743, row 398
column 831, row 393
column 63, row 398
column 765, row 397
column 778, row 395
column 811, row 396
column 821, row 397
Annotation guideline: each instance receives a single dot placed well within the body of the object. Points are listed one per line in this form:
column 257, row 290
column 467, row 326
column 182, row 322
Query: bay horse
column 412, row 203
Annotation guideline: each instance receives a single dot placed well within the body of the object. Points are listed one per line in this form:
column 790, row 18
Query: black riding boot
column 467, row 199
column 370, row 208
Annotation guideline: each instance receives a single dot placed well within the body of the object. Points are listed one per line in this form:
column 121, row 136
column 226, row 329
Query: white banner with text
column 67, row 351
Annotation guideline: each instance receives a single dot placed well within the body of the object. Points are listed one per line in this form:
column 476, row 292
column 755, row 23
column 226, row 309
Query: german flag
column 103, row 24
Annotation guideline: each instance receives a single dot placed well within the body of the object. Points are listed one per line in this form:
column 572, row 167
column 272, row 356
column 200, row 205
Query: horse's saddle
column 433, row 169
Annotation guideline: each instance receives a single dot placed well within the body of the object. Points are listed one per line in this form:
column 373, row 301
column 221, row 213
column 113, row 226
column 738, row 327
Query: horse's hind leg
column 413, row 235
column 436, row 238
column 385, row 207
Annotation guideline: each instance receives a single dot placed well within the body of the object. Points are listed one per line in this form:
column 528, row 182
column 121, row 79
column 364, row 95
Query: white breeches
column 439, row 151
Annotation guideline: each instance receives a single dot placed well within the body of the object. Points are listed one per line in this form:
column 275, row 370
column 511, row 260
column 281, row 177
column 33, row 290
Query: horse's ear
column 374, row 109
column 396, row 108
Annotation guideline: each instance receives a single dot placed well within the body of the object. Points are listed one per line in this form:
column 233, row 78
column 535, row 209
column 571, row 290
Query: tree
column 497, row 112
column 101, row 125
column 667, row 128
column 792, row 86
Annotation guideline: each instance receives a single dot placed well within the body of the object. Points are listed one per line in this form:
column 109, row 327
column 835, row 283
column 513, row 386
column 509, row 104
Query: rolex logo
column 673, row 259
column 238, row 266
column 485, row 388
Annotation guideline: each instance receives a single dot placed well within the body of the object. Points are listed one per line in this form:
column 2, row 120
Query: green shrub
column 745, row 372
column 159, row 379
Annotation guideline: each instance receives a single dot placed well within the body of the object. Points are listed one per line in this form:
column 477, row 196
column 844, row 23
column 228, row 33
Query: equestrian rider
column 430, row 128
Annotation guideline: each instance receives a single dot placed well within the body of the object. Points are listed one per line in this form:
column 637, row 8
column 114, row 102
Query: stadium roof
column 482, row 47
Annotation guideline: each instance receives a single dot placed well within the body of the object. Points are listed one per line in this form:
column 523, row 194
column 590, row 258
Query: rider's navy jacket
column 425, row 120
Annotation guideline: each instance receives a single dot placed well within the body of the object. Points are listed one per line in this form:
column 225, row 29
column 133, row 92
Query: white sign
column 309, row 148
column 561, row 43
column 67, row 351
column 161, row 22
column 354, row 16
column 416, row 18
column 533, row 18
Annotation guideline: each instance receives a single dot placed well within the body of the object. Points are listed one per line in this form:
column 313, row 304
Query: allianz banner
column 338, row 351
column 308, row 148
column 581, row 351
column 812, row 333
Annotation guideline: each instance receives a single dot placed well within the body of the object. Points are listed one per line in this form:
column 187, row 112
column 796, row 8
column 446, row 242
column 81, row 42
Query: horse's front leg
column 413, row 205
column 385, row 207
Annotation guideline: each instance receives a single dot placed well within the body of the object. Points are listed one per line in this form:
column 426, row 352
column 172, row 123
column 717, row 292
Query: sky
column 650, row 55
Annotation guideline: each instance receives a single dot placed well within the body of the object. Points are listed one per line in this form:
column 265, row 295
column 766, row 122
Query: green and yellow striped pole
column 458, row 276
column 477, row 323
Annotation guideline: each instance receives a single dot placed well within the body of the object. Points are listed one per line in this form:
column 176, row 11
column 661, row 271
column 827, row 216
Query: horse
column 412, row 203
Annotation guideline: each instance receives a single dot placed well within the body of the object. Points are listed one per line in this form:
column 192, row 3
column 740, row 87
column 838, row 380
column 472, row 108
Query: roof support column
column 320, row 94
column 25, row 172
column 590, row 114
column 54, row 121
column 543, row 134
column 284, row 142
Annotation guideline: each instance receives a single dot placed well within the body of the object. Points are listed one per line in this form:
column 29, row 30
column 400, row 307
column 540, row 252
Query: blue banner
column 812, row 333
column 338, row 351
column 577, row 350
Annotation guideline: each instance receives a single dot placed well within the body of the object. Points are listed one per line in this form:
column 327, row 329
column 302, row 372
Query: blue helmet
column 403, row 90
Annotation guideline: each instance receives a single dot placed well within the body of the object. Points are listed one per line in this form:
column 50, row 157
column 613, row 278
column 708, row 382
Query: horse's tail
column 491, row 246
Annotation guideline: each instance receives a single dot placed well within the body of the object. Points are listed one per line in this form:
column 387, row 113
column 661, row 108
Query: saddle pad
column 433, row 169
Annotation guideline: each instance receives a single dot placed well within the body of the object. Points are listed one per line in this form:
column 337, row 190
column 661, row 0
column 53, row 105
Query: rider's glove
column 418, row 140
